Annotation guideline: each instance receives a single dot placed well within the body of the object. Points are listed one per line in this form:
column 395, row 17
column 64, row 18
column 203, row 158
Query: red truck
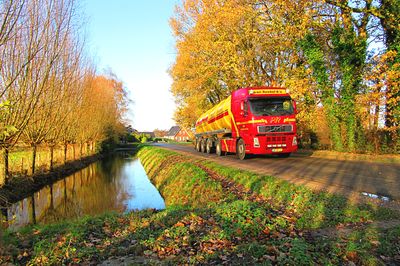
column 257, row 120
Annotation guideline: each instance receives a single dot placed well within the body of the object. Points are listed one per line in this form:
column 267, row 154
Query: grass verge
column 347, row 156
column 208, row 222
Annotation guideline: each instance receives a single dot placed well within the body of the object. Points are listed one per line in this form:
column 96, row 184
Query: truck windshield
column 271, row 106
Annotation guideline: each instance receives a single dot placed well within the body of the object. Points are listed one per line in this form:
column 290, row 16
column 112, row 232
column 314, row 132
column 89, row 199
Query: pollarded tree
column 68, row 88
column 46, row 72
column 26, row 62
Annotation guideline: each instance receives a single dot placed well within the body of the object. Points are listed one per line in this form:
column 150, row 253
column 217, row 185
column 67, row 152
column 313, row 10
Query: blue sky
column 134, row 40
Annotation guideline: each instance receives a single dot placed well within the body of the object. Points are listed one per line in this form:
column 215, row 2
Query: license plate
column 277, row 150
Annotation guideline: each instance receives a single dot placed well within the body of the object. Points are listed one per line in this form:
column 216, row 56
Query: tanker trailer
column 256, row 120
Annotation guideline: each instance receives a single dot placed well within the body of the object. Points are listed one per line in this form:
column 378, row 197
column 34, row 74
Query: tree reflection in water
column 117, row 183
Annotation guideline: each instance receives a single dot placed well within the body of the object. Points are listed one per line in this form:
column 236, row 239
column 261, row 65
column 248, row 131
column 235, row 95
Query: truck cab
column 265, row 121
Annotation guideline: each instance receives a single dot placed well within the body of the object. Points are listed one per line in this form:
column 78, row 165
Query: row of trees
column 339, row 58
column 49, row 91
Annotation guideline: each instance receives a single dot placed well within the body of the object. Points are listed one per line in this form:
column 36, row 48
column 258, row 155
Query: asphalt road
column 349, row 178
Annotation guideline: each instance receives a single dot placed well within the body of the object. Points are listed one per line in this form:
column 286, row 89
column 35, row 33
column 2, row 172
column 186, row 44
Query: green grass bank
column 217, row 215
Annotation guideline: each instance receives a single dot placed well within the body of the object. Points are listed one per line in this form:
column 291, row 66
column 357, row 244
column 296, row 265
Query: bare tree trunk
column 376, row 117
column 34, row 158
column 65, row 152
column 4, row 177
column 51, row 157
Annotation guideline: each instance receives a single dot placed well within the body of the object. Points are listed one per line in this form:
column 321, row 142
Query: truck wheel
column 241, row 149
column 203, row 145
column 209, row 147
column 218, row 149
column 198, row 145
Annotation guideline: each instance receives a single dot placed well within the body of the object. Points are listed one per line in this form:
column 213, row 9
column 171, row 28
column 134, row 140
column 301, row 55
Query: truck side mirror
column 243, row 108
column 295, row 106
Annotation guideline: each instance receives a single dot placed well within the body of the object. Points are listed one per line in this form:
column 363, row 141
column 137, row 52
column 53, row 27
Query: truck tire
column 198, row 145
column 241, row 149
column 209, row 147
column 203, row 145
column 218, row 149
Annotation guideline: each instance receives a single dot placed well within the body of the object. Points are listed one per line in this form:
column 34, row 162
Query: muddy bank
column 19, row 188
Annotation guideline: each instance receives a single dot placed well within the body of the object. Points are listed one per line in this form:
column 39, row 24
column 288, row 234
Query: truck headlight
column 256, row 143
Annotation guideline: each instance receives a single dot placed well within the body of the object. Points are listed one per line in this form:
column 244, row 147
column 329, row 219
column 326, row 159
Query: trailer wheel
column 218, row 149
column 203, row 145
column 198, row 145
column 241, row 149
column 209, row 146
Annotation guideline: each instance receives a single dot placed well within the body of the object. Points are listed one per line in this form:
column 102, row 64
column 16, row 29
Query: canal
column 118, row 183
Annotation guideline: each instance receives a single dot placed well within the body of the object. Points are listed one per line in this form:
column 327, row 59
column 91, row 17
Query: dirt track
column 349, row 178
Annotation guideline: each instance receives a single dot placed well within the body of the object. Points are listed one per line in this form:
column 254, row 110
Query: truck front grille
column 275, row 129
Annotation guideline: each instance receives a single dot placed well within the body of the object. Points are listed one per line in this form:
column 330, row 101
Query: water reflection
column 117, row 184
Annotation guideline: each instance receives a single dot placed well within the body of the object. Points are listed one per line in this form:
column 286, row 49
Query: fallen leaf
column 179, row 224
column 352, row 255
column 266, row 231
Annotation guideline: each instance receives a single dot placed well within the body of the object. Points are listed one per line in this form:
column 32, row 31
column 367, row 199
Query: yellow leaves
column 41, row 260
column 385, row 85
column 211, row 58
column 23, row 255
column 223, row 45
column 102, row 106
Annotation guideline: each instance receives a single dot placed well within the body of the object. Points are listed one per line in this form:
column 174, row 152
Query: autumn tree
column 223, row 45
column 319, row 49
column 101, row 110
column 383, row 19
column 160, row 133
column 26, row 62
column 47, row 74
column 68, row 88
column 49, row 92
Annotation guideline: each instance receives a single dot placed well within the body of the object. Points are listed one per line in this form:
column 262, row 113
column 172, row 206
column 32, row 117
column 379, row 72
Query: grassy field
column 384, row 158
column 20, row 160
column 218, row 215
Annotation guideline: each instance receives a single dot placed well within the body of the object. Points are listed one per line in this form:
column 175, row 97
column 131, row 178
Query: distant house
column 172, row 132
column 178, row 133
column 130, row 130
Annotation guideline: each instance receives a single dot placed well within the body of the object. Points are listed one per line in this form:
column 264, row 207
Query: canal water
column 118, row 183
